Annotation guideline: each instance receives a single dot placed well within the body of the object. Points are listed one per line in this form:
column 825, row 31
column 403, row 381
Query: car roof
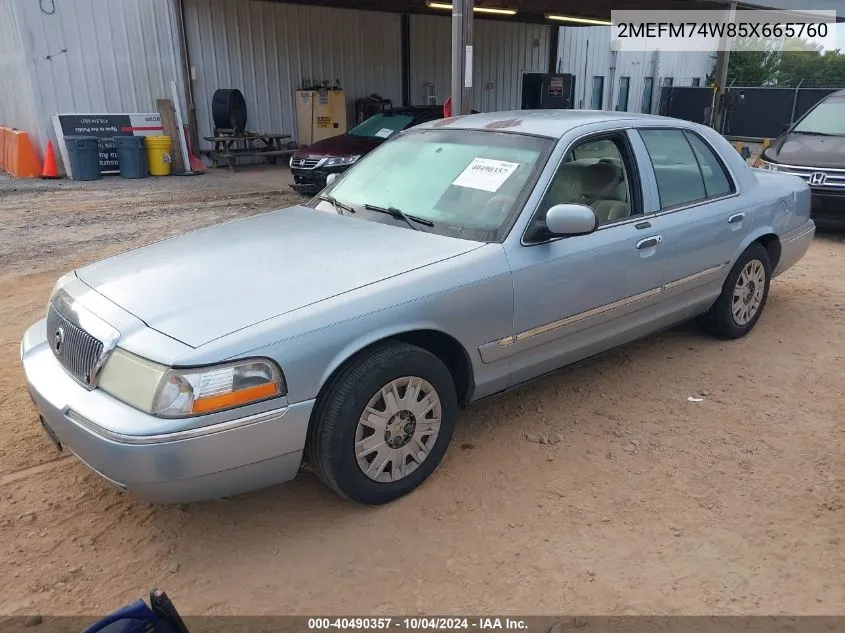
column 551, row 123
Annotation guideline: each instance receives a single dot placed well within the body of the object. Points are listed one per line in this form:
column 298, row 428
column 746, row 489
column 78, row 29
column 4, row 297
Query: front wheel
column 744, row 295
column 383, row 424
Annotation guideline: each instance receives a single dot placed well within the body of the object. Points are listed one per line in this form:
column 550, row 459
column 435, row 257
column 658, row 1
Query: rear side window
column 716, row 182
column 679, row 179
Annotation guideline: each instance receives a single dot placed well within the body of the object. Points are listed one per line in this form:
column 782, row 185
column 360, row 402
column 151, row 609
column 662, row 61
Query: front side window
column 595, row 173
column 685, row 167
column 462, row 183
column 381, row 126
column 826, row 119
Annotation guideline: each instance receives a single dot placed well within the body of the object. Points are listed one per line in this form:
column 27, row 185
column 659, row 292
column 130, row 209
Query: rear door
column 703, row 219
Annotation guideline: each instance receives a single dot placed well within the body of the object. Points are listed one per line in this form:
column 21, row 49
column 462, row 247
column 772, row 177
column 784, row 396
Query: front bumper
column 191, row 464
column 828, row 207
column 310, row 181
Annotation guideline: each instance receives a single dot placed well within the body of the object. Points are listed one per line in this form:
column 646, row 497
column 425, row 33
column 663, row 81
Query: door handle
column 654, row 240
column 736, row 217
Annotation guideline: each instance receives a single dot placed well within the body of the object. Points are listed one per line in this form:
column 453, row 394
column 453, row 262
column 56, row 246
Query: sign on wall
column 105, row 127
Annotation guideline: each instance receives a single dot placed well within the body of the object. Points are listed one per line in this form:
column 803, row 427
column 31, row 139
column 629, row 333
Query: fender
column 384, row 333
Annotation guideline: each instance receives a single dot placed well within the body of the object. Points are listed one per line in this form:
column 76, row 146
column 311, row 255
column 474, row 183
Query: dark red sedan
column 311, row 165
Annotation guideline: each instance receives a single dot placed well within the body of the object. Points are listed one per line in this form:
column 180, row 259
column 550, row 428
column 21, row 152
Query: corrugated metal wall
column 99, row 55
column 17, row 100
column 502, row 51
column 585, row 52
column 267, row 49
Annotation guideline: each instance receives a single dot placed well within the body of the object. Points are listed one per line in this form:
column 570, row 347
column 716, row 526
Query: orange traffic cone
column 49, row 170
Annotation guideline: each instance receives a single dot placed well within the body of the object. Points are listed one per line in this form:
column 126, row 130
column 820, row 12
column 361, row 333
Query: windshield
column 827, row 118
column 381, row 126
column 465, row 183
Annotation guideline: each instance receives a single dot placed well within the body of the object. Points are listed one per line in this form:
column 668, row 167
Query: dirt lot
column 650, row 504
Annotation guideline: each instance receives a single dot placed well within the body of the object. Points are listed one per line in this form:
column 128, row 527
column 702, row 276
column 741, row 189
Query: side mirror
column 330, row 179
column 571, row 219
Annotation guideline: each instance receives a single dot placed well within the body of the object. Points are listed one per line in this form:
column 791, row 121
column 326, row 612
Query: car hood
column 803, row 150
column 203, row 285
column 343, row 145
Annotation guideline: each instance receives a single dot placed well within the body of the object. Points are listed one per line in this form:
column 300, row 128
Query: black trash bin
column 131, row 156
column 83, row 153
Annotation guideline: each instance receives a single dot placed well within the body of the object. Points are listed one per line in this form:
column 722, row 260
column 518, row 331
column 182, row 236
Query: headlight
column 61, row 282
column 341, row 160
column 764, row 164
column 178, row 393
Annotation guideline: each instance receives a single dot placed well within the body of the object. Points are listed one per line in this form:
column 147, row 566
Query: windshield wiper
column 810, row 133
column 398, row 213
column 338, row 206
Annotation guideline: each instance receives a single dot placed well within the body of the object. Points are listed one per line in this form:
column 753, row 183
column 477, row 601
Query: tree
column 785, row 64
column 805, row 60
column 753, row 63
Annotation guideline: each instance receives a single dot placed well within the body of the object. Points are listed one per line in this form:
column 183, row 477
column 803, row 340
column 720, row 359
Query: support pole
column 405, row 32
column 795, row 101
column 723, row 57
column 185, row 66
column 461, row 56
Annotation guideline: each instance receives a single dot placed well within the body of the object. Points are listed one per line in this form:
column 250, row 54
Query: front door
column 576, row 296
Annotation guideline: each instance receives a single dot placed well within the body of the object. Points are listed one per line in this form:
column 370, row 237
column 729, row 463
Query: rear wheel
column 383, row 424
column 744, row 295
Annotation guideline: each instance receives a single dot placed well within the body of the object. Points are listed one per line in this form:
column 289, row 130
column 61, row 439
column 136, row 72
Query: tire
column 404, row 446
column 754, row 266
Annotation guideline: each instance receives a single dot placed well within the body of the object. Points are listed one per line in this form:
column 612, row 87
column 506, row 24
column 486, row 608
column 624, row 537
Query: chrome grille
column 75, row 349
column 305, row 163
column 818, row 177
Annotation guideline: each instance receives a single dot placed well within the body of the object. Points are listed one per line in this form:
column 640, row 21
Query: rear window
column 826, row 118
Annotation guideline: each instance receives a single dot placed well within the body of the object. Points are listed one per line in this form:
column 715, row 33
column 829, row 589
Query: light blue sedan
column 460, row 259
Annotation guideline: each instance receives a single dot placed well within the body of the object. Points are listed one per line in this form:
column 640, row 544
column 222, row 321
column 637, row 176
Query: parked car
column 814, row 149
column 311, row 165
column 465, row 257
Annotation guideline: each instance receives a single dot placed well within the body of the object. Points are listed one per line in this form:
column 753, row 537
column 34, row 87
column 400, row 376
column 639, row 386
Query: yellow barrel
column 158, row 155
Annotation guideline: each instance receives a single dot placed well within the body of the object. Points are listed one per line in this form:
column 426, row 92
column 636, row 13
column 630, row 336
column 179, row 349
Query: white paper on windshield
column 384, row 132
column 485, row 174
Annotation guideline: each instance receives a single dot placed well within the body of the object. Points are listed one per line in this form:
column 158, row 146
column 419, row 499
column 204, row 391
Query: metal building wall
column 266, row 49
column 98, row 56
column 502, row 52
column 17, row 100
column 585, row 52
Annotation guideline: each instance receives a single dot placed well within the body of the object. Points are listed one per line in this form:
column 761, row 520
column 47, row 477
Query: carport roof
column 535, row 10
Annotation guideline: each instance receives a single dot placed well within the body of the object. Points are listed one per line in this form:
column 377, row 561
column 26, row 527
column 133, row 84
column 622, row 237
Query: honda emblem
column 818, row 178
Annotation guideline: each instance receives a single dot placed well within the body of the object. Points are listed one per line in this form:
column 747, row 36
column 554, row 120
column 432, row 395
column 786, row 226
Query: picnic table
column 229, row 147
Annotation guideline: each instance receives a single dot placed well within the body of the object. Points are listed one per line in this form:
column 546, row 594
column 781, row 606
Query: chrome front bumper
column 190, row 464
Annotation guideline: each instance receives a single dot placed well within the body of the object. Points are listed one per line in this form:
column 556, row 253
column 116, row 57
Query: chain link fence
column 753, row 112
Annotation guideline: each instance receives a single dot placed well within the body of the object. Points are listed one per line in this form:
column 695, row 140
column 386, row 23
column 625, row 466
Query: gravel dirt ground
column 650, row 503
